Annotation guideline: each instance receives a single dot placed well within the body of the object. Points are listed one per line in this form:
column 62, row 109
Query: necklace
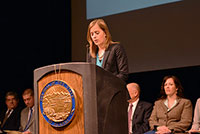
column 101, row 55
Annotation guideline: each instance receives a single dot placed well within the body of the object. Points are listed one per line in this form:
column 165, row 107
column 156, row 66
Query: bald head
column 134, row 90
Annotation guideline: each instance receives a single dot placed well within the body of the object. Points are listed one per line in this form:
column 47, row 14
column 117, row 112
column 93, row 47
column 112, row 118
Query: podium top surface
column 62, row 64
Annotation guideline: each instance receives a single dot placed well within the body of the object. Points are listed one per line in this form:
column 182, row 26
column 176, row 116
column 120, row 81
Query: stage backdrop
column 156, row 35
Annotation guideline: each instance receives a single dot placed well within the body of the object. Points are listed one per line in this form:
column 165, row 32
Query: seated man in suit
column 10, row 117
column 27, row 114
column 138, row 111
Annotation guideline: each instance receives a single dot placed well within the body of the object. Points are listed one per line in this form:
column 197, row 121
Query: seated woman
column 196, row 119
column 172, row 113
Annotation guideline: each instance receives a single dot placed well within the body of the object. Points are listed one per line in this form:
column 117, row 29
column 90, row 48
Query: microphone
column 87, row 45
column 87, row 51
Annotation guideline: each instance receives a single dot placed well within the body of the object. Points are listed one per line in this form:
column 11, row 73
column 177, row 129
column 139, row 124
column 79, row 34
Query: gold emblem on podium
column 57, row 103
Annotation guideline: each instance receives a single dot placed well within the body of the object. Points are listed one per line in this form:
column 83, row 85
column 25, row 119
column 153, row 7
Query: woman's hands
column 163, row 130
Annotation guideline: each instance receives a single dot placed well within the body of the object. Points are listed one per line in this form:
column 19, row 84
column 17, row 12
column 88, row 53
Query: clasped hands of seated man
column 27, row 132
column 163, row 130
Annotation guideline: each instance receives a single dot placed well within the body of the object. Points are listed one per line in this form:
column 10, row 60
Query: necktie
column 5, row 118
column 129, row 118
column 29, row 120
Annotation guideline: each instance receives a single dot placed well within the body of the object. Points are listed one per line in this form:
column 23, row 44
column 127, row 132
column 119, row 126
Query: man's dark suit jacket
column 13, row 121
column 115, row 61
column 140, row 123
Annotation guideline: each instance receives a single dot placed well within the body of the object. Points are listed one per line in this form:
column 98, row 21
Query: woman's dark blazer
column 115, row 61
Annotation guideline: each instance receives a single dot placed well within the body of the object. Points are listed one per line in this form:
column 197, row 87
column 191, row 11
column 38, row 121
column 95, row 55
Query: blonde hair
column 28, row 91
column 134, row 85
column 101, row 23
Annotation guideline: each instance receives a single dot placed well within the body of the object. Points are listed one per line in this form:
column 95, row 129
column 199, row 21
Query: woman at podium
column 104, row 52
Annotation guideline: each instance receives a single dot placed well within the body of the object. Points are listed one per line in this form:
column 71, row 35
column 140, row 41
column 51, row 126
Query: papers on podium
column 12, row 132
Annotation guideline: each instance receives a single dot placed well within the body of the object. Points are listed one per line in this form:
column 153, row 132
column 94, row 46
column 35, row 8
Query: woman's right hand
column 193, row 131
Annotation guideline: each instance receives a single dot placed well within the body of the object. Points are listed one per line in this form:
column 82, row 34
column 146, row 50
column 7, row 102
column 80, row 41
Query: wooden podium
column 101, row 99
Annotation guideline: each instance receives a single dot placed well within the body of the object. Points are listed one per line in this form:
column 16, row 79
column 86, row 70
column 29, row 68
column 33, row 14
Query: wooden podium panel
column 100, row 96
column 74, row 80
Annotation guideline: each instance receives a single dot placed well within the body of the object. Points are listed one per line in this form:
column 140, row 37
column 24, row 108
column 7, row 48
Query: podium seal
column 58, row 103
